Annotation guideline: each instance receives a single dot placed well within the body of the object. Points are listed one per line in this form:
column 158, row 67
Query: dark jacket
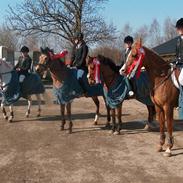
column 124, row 56
column 24, row 64
column 79, row 54
column 179, row 50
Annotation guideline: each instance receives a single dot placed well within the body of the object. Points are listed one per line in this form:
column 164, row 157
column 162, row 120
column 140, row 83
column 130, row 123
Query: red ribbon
column 138, row 60
column 97, row 71
column 57, row 56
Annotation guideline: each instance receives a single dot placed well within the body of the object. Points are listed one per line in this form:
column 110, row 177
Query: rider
column 179, row 46
column 24, row 63
column 128, row 41
column 78, row 57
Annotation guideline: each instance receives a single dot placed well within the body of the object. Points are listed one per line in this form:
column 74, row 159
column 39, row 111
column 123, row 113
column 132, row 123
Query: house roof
column 168, row 47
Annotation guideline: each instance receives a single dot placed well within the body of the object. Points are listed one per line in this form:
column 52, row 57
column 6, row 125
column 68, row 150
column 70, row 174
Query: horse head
column 134, row 59
column 44, row 60
column 91, row 70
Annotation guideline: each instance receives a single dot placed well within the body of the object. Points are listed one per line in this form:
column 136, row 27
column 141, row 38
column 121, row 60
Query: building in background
column 167, row 50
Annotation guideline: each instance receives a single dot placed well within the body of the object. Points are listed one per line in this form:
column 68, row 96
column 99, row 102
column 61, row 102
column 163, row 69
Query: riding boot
column 82, row 84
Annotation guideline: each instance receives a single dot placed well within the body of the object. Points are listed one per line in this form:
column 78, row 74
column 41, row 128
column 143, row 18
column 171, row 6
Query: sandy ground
column 35, row 150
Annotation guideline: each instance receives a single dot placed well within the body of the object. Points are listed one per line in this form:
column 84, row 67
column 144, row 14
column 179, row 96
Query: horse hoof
column 167, row 154
column 107, row 126
column 27, row 116
column 62, row 128
column 10, row 120
column 95, row 123
column 69, row 132
column 159, row 149
column 116, row 133
column 38, row 115
column 147, row 128
column 6, row 117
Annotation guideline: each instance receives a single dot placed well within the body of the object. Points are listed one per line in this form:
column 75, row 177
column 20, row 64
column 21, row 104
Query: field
column 35, row 150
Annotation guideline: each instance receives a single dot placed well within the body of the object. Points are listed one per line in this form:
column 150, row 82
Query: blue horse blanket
column 119, row 90
column 72, row 89
column 32, row 84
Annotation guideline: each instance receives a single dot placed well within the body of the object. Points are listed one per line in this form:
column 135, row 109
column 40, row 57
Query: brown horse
column 164, row 94
column 58, row 72
column 109, row 73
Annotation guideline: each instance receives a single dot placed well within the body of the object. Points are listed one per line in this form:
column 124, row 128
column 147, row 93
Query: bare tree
column 62, row 18
column 8, row 38
column 169, row 29
column 155, row 37
column 142, row 32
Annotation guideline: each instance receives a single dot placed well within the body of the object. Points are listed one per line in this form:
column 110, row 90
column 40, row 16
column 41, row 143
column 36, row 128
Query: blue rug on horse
column 12, row 93
column 142, row 88
column 71, row 88
column 32, row 84
column 119, row 90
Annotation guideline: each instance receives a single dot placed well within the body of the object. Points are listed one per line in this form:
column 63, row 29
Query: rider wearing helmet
column 179, row 46
column 24, row 63
column 128, row 41
column 78, row 58
column 80, row 52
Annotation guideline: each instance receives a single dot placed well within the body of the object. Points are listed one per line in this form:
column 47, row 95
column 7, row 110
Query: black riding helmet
column 179, row 23
column 128, row 39
column 24, row 49
column 78, row 35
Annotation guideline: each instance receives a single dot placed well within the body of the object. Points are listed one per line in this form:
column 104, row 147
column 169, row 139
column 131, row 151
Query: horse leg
column 161, row 119
column 97, row 104
column 62, row 110
column 29, row 106
column 39, row 105
column 169, row 119
column 68, row 106
column 107, row 126
column 151, row 112
column 4, row 112
column 10, row 119
column 119, row 125
column 113, row 121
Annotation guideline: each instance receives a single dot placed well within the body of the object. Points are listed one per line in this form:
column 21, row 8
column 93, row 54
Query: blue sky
column 135, row 12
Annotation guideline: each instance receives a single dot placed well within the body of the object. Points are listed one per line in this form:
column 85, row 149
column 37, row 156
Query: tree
column 169, row 29
column 8, row 38
column 126, row 30
column 62, row 18
column 142, row 32
column 155, row 37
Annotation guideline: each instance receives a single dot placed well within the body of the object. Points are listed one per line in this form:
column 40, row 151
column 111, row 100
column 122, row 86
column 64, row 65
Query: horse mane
column 158, row 60
column 109, row 62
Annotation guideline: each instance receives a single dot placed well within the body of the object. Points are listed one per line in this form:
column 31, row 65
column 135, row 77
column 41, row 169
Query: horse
column 59, row 73
column 164, row 92
column 113, row 82
column 7, row 75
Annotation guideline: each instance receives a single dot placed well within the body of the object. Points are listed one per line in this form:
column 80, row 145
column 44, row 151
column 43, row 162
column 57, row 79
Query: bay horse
column 164, row 92
column 58, row 71
column 6, row 70
column 109, row 72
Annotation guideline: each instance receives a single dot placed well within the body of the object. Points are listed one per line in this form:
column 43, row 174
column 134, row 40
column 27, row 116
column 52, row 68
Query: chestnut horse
column 164, row 94
column 109, row 73
column 58, row 72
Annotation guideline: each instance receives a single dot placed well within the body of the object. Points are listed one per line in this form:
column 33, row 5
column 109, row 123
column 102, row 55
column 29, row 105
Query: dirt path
column 35, row 150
